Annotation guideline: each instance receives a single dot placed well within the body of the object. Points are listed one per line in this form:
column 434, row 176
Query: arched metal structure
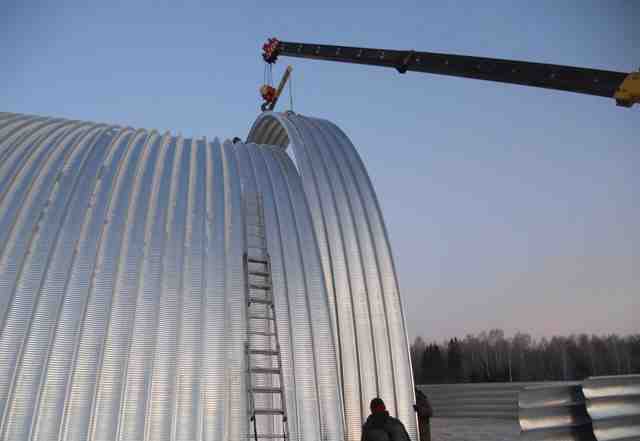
column 122, row 302
column 359, row 272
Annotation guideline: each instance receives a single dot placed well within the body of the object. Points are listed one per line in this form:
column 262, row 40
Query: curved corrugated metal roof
column 123, row 310
column 358, row 265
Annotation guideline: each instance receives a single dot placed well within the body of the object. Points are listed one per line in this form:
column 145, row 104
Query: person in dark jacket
column 424, row 411
column 380, row 426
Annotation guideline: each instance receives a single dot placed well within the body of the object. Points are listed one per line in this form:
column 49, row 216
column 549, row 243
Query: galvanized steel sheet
column 122, row 302
column 614, row 406
column 122, row 309
column 554, row 413
column 359, row 273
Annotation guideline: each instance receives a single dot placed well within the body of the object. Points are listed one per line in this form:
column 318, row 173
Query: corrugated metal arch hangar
column 122, row 299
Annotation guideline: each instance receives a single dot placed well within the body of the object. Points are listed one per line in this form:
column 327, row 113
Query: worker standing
column 424, row 411
column 380, row 426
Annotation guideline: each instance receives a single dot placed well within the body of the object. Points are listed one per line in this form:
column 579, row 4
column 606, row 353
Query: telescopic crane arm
column 623, row 87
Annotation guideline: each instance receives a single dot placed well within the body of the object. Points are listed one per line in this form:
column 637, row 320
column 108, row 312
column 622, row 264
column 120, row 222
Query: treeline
column 491, row 357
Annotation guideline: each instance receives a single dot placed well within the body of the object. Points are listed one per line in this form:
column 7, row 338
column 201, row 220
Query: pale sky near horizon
column 507, row 207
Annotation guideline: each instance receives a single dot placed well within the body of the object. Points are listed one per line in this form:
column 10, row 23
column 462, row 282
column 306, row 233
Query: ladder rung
column 272, row 436
column 266, row 334
column 267, row 411
column 266, row 390
column 260, row 317
column 259, row 300
column 259, row 273
column 263, row 352
column 265, row 370
column 258, row 286
column 261, row 260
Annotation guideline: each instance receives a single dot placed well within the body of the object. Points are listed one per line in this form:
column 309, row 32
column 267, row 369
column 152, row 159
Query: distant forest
column 491, row 357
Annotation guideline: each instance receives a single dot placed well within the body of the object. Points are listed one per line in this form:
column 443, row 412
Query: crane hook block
column 268, row 93
column 270, row 50
column 628, row 92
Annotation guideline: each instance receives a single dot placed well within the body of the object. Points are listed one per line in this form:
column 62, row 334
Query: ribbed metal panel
column 613, row 404
column 122, row 308
column 479, row 400
column 358, row 267
column 554, row 413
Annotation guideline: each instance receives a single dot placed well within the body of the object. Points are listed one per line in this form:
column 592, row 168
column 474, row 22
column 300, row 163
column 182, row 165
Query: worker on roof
column 380, row 426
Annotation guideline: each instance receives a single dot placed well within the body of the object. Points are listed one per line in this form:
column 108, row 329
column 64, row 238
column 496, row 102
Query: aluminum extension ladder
column 265, row 383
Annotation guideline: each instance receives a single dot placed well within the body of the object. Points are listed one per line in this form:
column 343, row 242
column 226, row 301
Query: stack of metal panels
column 555, row 413
column 613, row 404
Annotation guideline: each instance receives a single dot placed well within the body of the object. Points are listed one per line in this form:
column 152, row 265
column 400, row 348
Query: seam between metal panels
column 215, row 335
column 36, row 170
column 165, row 146
column 95, row 388
column 203, row 287
column 285, row 282
column 123, row 250
column 97, row 132
column 18, row 139
column 347, row 265
column 65, row 142
column 166, row 292
column 357, row 241
column 251, row 181
column 269, row 173
column 159, row 142
column 180, row 294
column 155, row 140
column 64, row 129
column 336, row 388
column 133, row 202
column 384, row 247
column 62, row 145
column 78, row 339
column 187, row 268
column 304, row 265
column 236, row 302
column 345, row 224
column 202, row 396
column 337, row 335
column 385, row 244
column 374, row 250
column 227, row 291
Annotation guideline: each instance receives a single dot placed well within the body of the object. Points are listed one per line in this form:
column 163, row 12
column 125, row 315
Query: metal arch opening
column 269, row 129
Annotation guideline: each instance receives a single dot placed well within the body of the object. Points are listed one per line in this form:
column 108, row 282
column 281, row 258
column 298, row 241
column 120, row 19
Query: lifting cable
column 291, row 93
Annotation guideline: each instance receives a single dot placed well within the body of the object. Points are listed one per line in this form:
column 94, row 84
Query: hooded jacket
column 380, row 426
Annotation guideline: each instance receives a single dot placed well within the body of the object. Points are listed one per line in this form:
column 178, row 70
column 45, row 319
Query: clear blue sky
column 507, row 206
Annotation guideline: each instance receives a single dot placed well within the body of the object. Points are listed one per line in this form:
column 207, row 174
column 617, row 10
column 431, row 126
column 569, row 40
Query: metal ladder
column 265, row 382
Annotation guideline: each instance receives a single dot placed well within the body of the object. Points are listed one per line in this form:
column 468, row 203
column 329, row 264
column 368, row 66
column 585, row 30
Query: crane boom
column 623, row 87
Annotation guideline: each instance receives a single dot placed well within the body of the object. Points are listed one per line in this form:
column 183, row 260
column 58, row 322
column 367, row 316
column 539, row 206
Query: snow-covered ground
column 474, row 429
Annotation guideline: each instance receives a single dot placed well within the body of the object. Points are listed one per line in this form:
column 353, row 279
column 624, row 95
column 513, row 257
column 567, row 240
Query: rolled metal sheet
column 554, row 413
column 122, row 302
column 613, row 403
column 358, row 267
